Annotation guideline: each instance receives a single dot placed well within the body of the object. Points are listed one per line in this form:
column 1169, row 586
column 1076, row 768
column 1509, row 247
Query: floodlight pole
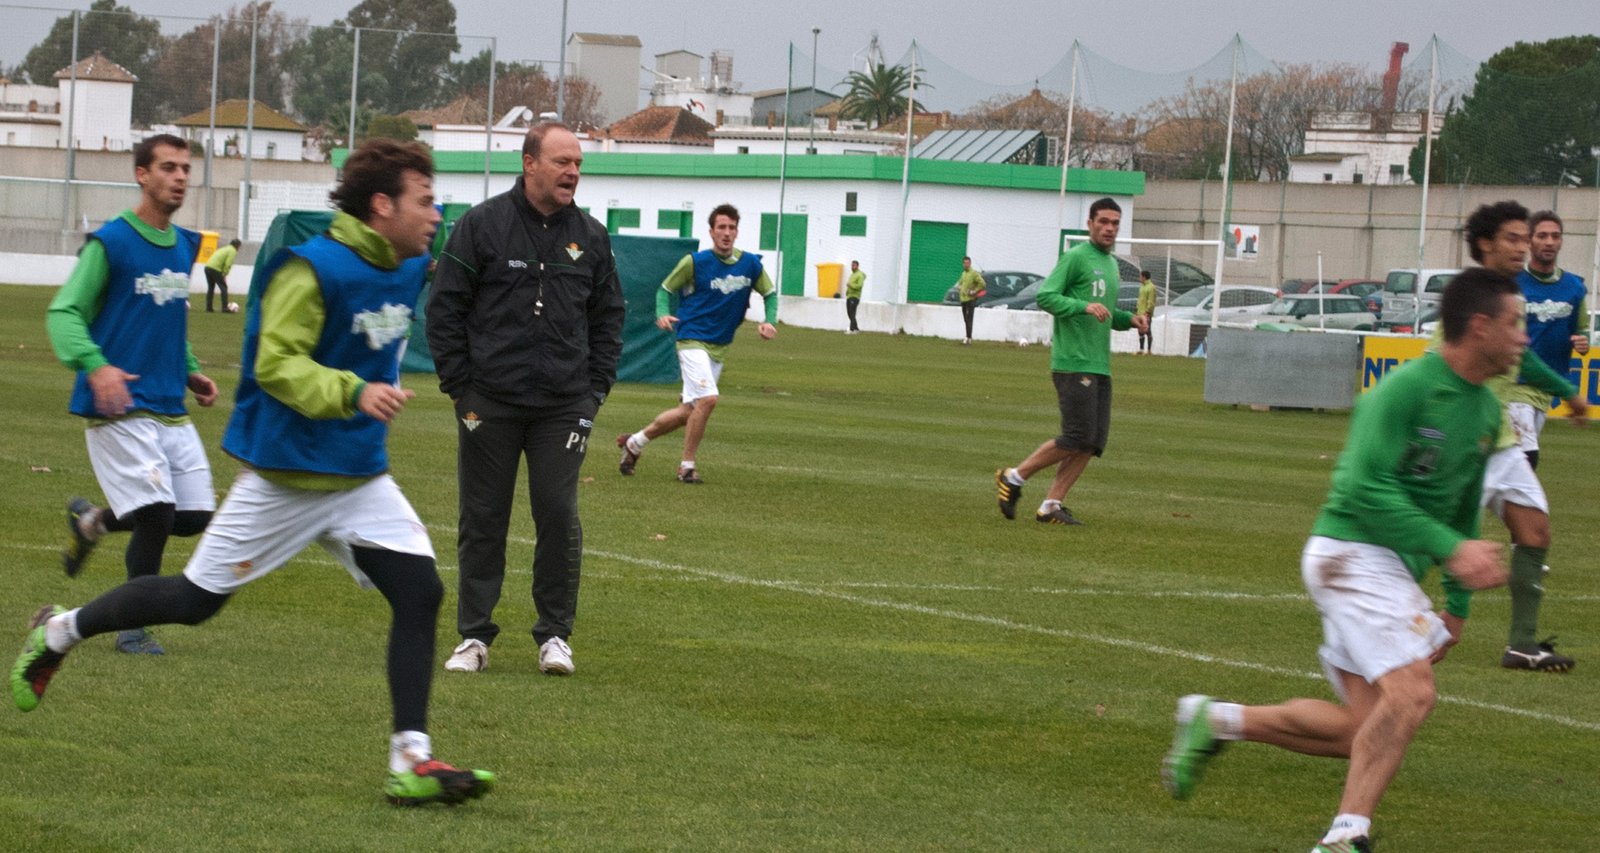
column 355, row 72
column 561, row 72
column 903, row 251
column 812, row 113
column 1227, row 183
column 1427, row 161
column 783, row 167
column 488, row 110
column 72, row 111
column 1594, row 265
column 249, row 129
column 211, row 125
column 1066, row 147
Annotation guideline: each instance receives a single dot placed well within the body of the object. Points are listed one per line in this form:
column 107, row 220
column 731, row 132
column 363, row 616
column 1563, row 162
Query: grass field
column 836, row 643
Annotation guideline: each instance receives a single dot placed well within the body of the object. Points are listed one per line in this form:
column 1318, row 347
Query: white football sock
column 1013, row 477
column 61, row 632
column 637, row 441
column 686, row 464
column 408, row 749
column 1348, row 826
column 1048, row 505
column 1227, row 720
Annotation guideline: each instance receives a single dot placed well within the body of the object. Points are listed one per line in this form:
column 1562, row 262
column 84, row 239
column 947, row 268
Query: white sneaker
column 555, row 657
column 470, row 656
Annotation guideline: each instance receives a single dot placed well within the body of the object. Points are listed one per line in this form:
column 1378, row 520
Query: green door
column 793, row 247
column 936, row 252
column 791, row 280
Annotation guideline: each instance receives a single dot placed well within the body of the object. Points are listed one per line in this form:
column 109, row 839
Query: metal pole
column 903, row 254
column 249, row 130
column 488, row 142
column 783, row 166
column 812, row 113
column 1427, row 165
column 72, row 109
column 1066, row 146
column 211, row 124
column 561, row 71
column 1594, row 266
column 355, row 73
column 1227, row 183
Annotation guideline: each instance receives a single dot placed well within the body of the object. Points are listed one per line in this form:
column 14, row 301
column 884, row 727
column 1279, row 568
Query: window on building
column 1327, row 177
column 1357, row 178
column 680, row 221
column 621, row 217
column 744, row 149
column 852, row 226
column 1397, row 173
column 850, row 202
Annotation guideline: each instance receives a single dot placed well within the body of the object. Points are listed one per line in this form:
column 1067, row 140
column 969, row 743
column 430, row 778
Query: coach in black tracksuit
column 525, row 324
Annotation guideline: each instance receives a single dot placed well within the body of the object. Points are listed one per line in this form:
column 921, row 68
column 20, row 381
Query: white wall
column 1007, row 229
column 101, row 114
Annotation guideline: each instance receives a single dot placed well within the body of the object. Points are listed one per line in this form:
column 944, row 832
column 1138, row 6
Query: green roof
column 848, row 167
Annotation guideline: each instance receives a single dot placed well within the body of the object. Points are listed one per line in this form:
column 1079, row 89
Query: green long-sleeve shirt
column 222, row 259
column 1080, row 343
column 292, row 317
column 1147, row 298
column 682, row 275
column 969, row 285
column 79, row 301
column 1410, row 477
column 852, row 287
column 1539, row 376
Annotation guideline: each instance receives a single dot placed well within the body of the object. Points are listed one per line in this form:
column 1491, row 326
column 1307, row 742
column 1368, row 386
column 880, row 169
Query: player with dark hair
column 1558, row 323
column 216, row 269
column 1405, row 495
column 317, row 392
column 969, row 286
column 1497, row 237
column 713, row 288
column 121, row 321
column 1081, row 293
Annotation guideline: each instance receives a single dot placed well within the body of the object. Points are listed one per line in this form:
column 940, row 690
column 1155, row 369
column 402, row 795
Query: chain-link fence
column 1316, row 167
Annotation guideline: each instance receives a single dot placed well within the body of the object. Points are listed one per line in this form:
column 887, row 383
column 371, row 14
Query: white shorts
column 1375, row 618
column 700, row 374
column 1509, row 478
column 141, row 461
column 1527, row 421
column 263, row 525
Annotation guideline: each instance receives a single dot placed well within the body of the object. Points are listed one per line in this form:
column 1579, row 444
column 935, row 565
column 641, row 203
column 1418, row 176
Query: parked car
column 1302, row 285
column 1238, row 302
column 1400, row 298
column 997, row 285
column 1184, row 277
column 1023, row 300
column 1315, row 311
column 1370, row 290
column 1410, row 322
column 1128, row 295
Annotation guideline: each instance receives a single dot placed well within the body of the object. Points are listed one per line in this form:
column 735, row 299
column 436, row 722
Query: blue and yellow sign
column 1380, row 355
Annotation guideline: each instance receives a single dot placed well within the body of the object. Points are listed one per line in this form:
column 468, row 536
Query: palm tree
column 878, row 95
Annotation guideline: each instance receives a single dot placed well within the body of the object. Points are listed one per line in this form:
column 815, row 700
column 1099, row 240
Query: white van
column 1403, row 288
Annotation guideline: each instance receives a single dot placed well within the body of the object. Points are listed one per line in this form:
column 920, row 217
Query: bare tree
column 1270, row 119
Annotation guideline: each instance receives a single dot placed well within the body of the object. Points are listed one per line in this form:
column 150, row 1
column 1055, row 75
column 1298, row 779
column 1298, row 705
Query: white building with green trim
column 835, row 209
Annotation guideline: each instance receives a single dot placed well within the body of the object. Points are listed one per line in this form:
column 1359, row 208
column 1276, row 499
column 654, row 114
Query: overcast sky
column 1003, row 43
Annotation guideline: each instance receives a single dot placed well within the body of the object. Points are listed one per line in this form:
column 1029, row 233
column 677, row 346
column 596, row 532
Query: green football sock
column 1527, row 591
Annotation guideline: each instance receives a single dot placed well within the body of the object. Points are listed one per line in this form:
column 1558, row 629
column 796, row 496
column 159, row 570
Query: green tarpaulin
column 642, row 262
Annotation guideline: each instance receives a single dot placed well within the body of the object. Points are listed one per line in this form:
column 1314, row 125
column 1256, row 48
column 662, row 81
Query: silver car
column 1321, row 312
column 1240, row 302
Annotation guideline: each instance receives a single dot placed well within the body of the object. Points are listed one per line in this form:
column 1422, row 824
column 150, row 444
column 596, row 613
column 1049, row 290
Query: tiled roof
column 97, row 67
column 662, row 124
column 603, row 38
column 232, row 113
